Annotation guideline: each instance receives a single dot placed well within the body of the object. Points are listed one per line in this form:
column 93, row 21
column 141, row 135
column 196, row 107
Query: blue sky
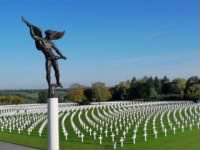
column 105, row 40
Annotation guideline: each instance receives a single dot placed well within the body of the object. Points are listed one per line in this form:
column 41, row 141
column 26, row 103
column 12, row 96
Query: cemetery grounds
column 106, row 125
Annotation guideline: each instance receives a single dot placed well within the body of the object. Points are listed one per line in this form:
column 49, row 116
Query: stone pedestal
column 53, row 125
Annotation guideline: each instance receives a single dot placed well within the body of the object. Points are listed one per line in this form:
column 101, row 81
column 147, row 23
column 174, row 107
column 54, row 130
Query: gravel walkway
column 8, row 146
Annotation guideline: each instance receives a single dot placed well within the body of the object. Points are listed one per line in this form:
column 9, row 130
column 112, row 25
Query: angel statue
column 46, row 46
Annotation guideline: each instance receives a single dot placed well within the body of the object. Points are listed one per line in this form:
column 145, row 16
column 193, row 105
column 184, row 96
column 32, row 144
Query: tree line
column 5, row 100
column 145, row 89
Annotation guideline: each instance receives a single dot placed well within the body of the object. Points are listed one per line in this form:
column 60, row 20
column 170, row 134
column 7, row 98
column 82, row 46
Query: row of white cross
column 102, row 128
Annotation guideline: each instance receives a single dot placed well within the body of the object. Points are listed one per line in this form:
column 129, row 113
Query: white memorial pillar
column 53, row 126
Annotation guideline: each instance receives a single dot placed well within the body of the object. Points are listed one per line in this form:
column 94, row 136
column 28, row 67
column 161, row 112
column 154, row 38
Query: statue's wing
column 54, row 35
column 36, row 30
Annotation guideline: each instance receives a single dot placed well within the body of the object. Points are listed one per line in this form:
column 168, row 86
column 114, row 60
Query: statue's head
column 53, row 35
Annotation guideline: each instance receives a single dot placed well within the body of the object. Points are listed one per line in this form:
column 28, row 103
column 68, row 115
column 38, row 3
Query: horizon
column 89, row 85
column 107, row 41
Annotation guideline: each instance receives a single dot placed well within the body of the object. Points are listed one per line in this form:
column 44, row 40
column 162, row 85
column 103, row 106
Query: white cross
column 120, row 126
column 174, row 129
column 165, row 132
column 40, row 133
column 117, row 131
column 127, row 129
column 186, row 123
column 100, row 139
column 170, row 125
column 134, row 137
column 106, row 132
column 179, row 124
column 190, row 127
column 29, row 131
column 145, row 136
column 155, row 133
column 145, row 129
column 18, row 130
column 87, row 129
column 111, row 128
column 90, row 130
column 101, row 130
column 79, row 133
column 198, row 125
column 97, row 127
column 135, row 130
column 94, row 134
column 10, row 129
column 122, row 141
column 82, row 137
column 114, row 145
column 182, row 128
column 113, row 137
column 2, row 128
column 66, row 136
column 124, row 133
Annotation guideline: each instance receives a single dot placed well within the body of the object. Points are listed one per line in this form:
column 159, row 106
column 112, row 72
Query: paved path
column 8, row 146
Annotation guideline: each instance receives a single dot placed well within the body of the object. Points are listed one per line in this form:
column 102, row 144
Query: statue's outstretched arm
column 26, row 22
column 35, row 32
column 58, row 51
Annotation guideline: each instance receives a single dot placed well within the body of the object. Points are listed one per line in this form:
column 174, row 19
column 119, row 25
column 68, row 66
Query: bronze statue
column 46, row 46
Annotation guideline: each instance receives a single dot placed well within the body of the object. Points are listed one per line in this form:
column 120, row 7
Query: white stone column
column 53, row 126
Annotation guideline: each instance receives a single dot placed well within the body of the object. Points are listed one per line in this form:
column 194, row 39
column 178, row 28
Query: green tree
column 192, row 80
column 133, row 88
column 88, row 93
column 139, row 90
column 4, row 100
column 42, row 97
column 121, row 91
column 157, row 85
column 178, row 86
column 76, row 93
column 193, row 92
column 165, row 85
column 16, row 100
column 143, row 88
column 100, row 92
column 153, row 94
column 11, row 100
